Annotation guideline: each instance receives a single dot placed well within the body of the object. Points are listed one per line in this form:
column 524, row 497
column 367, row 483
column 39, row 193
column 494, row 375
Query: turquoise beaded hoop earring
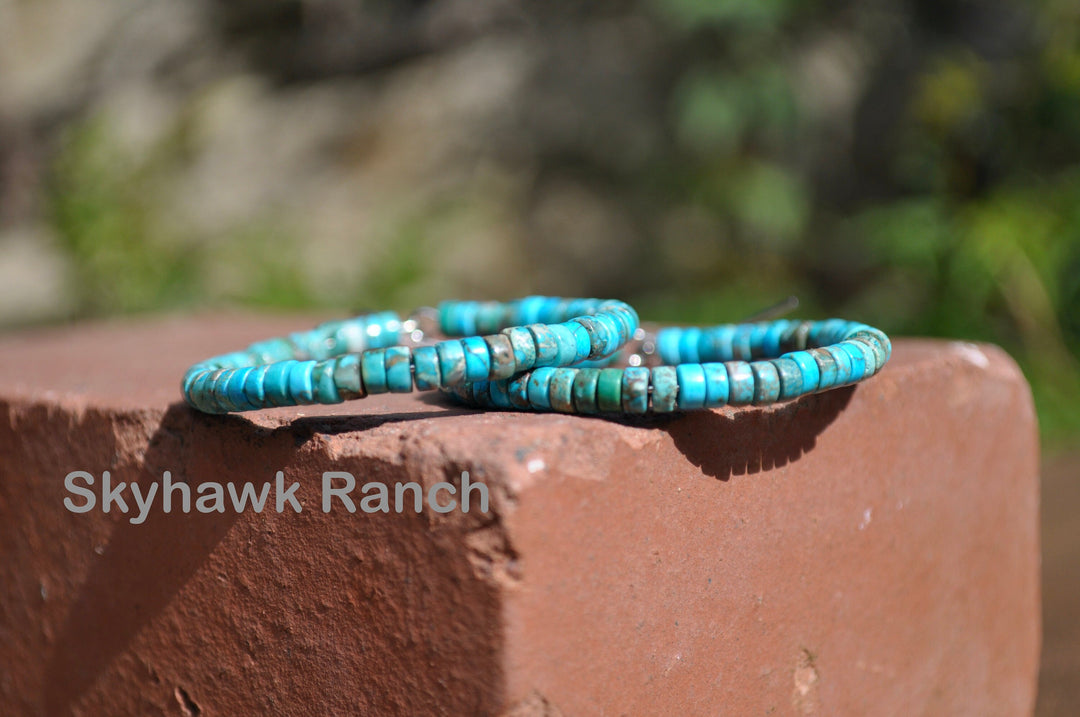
column 348, row 359
column 732, row 364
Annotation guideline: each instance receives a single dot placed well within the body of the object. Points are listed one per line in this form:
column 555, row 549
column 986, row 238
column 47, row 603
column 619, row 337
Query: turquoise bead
column 529, row 309
column 688, row 346
column 326, row 390
column 843, row 364
column 301, row 388
column 585, row 390
column 539, row 387
column 235, row 389
column 597, row 335
column 398, row 361
column 200, row 393
column 667, row 345
column 219, row 389
column 582, row 342
column 347, row 375
column 477, row 358
column 741, row 349
column 809, row 372
column 827, row 369
column 766, row 382
column 517, row 390
column 791, row 382
column 635, row 389
column 498, row 395
column 254, row 391
column 561, row 390
column 272, row 350
column 276, row 383
column 716, row 384
column 567, row 344
column 451, row 362
column 665, row 392
column 774, row 332
column 612, row 340
column 524, row 346
column 547, row 346
column 502, row 356
column 609, row 390
column 692, row 389
column 758, row 335
column 740, row 383
column 426, row 368
column 858, row 360
column 373, row 371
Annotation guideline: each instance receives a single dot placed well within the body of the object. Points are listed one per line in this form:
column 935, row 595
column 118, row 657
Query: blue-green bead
column 758, row 335
column 498, row 395
column 276, row 383
column 426, row 368
column 843, row 364
column 827, row 368
column 597, row 335
column 667, row 345
column 585, row 390
column 524, row 345
column 740, row 383
column 517, row 390
column 326, row 390
column 791, row 383
column 611, row 333
column 567, row 344
column 766, row 382
column 561, row 389
column 529, row 309
column 716, row 384
column 582, row 342
column 347, row 375
column 477, row 358
column 254, row 390
column 451, row 362
column 665, row 394
column 774, row 332
column 609, row 390
column 219, row 389
column 502, row 356
column 688, row 345
column 301, row 387
column 858, row 360
column 235, row 389
column 272, row 350
column 635, row 389
column 808, row 369
column 398, row 360
column 539, row 391
column 199, row 395
column 692, row 390
column 740, row 340
column 547, row 346
column 373, row 371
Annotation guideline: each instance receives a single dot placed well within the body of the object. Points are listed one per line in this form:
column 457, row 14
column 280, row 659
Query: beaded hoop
column 348, row 359
column 732, row 364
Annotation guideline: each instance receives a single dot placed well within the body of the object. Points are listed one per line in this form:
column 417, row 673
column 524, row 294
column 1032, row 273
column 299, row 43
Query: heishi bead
column 692, row 390
column 766, row 382
column 740, row 383
column 609, row 390
column 808, row 368
column 373, row 371
column 451, row 362
column 497, row 393
column 524, row 346
column 827, row 369
column 635, row 389
column 667, row 345
column 398, row 361
column 567, row 343
column 688, row 346
column 218, row 393
column 347, row 376
column 665, row 389
column 582, row 342
column 870, row 356
column 253, row 386
column 477, row 358
column 758, row 334
column 426, row 368
column 770, row 344
column 716, row 384
column 597, row 339
column 326, row 390
column 611, row 329
column 276, row 383
column 843, row 363
column 200, row 395
column 740, row 343
column 235, row 389
column 502, row 356
column 272, row 350
column 791, row 383
column 585, row 390
column 517, row 390
column 857, row 358
column 539, row 387
column 547, row 346
column 301, row 387
column 561, row 390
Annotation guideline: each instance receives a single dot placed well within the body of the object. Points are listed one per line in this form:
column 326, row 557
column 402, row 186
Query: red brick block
column 871, row 550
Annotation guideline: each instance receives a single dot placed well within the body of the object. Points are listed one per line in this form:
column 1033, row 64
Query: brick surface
column 871, row 550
